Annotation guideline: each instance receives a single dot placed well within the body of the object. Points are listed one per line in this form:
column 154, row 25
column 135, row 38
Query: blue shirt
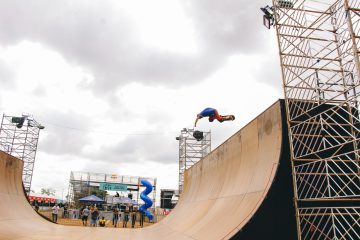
column 207, row 112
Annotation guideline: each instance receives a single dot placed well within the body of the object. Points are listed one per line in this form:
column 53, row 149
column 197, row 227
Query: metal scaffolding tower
column 84, row 181
column 319, row 48
column 191, row 150
column 19, row 137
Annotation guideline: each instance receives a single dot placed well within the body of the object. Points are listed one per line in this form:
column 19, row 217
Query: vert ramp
column 241, row 190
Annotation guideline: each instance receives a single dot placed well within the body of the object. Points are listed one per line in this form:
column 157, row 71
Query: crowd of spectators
column 127, row 214
column 90, row 214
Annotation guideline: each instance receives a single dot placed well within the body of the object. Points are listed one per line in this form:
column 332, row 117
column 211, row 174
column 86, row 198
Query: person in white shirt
column 55, row 212
column 85, row 215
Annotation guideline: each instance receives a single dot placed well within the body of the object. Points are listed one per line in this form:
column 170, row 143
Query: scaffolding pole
column 191, row 150
column 19, row 137
column 318, row 45
column 81, row 182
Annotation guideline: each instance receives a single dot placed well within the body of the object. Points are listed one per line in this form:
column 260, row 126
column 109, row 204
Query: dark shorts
column 84, row 218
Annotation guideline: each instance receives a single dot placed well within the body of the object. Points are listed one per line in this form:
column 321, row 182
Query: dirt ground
column 78, row 222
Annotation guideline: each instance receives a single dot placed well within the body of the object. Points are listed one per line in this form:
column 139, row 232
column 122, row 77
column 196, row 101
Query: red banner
column 42, row 199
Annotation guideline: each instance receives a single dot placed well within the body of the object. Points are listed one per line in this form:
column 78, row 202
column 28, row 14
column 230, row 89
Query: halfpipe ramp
column 241, row 190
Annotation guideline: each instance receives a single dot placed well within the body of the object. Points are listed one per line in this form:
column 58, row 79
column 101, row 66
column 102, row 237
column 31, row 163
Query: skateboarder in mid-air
column 213, row 114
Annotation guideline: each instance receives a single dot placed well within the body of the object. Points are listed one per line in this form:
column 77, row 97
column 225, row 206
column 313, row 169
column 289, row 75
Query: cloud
column 226, row 27
column 64, row 133
column 104, row 39
column 269, row 74
column 113, row 82
column 139, row 148
column 39, row 90
column 6, row 76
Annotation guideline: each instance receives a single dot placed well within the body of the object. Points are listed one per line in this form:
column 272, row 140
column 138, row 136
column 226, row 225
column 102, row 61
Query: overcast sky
column 114, row 82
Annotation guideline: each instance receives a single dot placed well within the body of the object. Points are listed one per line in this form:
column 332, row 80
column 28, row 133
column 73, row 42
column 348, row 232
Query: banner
column 113, row 187
column 42, row 199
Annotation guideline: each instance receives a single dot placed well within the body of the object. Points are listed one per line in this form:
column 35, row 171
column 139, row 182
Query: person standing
column 142, row 218
column 36, row 206
column 133, row 218
column 94, row 217
column 80, row 212
column 65, row 213
column 55, row 212
column 115, row 216
column 85, row 215
column 126, row 217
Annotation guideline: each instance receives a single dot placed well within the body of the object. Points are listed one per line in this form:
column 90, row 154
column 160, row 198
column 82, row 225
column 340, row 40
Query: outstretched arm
column 196, row 120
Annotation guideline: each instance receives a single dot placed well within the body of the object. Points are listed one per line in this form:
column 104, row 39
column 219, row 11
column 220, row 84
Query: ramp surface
column 221, row 194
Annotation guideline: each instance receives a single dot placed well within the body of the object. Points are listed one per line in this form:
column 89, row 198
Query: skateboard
column 228, row 118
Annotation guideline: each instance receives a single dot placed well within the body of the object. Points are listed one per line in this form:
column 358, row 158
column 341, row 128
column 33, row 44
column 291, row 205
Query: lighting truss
column 19, row 137
column 83, row 181
column 191, row 150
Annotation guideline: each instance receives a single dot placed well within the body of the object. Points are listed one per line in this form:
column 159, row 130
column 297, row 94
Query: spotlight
column 198, row 135
column 19, row 120
column 268, row 18
column 267, row 11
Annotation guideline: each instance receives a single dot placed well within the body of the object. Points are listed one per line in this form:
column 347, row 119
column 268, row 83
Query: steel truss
column 191, row 150
column 330, row 223
column 19, row 137
column 83, row 181
column 319, row 47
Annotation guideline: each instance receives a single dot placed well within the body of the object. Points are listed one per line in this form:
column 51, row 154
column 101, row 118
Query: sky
column 114, row 82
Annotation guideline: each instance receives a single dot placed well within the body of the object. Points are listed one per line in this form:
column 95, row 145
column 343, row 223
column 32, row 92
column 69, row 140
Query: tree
column 86, row 191
column 98, row 192
column 48, row 191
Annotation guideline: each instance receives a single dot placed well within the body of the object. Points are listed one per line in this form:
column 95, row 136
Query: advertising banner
column 113, row 187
